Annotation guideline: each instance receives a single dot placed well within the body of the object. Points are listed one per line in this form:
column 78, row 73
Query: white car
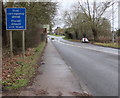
column 85, row 40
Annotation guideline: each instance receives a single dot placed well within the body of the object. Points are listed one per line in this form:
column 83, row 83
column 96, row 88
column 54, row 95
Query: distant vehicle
column 85, row 40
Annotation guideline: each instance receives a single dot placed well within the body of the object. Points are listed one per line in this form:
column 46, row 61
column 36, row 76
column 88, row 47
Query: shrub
column 104, row 39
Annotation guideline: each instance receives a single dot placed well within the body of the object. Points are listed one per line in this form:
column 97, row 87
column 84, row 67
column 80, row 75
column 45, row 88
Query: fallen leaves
column 9, row 65
column 30, row 52
column 79, row 94
column 59, row 93
column 41, row 92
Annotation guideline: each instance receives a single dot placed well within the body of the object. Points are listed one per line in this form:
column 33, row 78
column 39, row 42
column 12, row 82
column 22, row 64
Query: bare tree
column 93, row 13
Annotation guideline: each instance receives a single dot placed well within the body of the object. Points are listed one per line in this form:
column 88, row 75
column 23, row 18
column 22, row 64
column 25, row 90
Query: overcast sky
column 67, row 5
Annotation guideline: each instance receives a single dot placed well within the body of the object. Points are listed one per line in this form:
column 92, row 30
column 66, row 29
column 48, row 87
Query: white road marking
column 85, row 47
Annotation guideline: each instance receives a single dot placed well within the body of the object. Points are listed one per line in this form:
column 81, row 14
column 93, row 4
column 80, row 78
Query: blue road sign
column 15, row 18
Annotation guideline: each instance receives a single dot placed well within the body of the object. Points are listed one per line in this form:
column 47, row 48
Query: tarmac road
column 96, row 66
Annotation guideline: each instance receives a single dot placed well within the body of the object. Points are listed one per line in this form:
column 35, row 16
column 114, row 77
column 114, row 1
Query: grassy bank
column 18, row 71
column 112, row 45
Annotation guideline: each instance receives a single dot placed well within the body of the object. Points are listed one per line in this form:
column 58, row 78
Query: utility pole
column 119, row 15
column 113, row 35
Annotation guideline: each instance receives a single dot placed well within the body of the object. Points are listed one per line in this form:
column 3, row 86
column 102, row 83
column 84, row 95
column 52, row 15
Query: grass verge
column 112, row 45
column 23, row 69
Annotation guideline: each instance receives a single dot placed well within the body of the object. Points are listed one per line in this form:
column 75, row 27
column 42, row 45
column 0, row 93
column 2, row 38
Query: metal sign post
column 16, row 20
column 11, row 45
column 23, row 43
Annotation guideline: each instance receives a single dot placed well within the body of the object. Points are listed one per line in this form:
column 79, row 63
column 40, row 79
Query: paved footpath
column 55, row 78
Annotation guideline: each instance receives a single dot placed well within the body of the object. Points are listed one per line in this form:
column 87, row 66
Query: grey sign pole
column 23, row 43
column 11, row 45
